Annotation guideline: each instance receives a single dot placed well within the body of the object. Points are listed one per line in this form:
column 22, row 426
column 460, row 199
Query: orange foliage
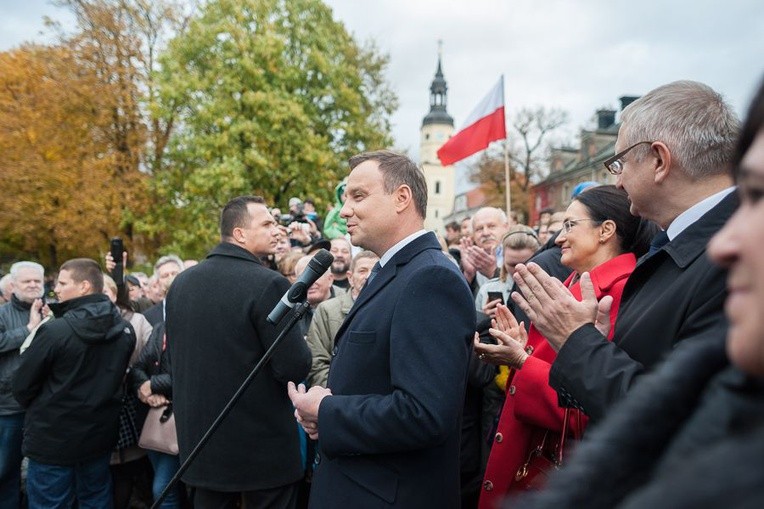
column 67, row 181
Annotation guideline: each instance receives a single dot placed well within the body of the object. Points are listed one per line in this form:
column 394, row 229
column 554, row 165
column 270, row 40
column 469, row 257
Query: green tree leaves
column 271, row 97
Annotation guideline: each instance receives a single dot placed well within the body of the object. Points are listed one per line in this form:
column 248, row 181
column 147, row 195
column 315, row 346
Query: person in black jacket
column 70, row 382
column 677, row 178
column 216, row 333
column 151, row 379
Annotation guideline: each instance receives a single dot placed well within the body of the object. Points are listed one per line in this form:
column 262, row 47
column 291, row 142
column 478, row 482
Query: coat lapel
column 388, row 273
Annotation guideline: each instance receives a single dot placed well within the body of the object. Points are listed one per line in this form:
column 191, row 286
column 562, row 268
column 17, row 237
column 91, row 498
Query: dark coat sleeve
column 291, row 360
column 591, row 373
column 619, row 455
column 153, row 364
column 36, row 362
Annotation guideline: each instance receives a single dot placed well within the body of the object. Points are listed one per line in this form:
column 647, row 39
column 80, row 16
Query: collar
column 400, row 245
column 605, row 275
column 689, row 216
column 692, row 241
column 20, row 304
column 59, row 308
column 233, row 251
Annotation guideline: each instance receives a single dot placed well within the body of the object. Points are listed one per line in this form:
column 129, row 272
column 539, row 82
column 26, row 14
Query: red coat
column 531, row 406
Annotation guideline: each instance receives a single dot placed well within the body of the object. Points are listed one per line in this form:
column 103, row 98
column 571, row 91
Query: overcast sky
column 578, row 55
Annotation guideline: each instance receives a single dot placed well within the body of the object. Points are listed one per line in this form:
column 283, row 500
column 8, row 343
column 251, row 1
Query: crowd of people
column 586, row 361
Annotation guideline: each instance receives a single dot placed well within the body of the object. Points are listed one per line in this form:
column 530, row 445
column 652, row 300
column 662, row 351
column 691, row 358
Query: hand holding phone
column 494, row 296
column 117, row 248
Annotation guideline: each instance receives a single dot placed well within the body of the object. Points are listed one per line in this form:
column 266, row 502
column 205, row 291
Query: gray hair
column 5, row 282
column 362, row 255
column 694, row 121
column 19, row 266
column 169, row 259
column 495, row 210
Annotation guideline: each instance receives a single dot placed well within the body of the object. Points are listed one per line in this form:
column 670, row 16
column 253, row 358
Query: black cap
column 319, row 244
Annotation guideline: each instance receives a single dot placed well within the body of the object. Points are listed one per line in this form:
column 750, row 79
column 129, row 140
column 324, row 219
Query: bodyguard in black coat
column 674, row 178
column 216, row 333
column 389, row 422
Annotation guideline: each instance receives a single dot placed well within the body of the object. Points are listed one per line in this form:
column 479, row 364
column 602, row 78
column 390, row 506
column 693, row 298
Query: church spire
column 438, row 91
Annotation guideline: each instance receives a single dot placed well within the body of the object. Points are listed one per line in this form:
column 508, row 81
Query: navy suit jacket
column 389, row 434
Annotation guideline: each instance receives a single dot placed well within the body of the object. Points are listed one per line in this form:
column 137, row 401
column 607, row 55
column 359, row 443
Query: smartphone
column 117, row 248
column 495, row 295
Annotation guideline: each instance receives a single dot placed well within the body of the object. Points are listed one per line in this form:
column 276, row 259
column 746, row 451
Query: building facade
column 569, row 167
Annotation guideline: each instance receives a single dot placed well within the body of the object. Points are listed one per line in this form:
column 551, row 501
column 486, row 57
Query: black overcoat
column 389, row 434
column 216, row 333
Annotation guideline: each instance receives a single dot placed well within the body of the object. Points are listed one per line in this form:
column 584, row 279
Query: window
column 437, row 187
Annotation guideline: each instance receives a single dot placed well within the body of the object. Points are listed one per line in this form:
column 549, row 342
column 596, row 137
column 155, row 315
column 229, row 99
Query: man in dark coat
column 389, row 422
column 69, row 381
column 216, row 333
column 677, row 178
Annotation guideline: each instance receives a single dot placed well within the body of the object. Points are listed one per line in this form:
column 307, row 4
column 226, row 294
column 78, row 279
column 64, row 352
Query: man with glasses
column 672, row 155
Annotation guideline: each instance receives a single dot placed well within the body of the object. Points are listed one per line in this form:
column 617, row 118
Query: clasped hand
column 306, row 403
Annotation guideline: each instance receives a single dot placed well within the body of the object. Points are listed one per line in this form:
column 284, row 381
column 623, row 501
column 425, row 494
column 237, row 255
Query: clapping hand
column 511, row 338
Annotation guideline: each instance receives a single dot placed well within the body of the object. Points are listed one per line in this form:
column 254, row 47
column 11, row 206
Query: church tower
column 437, row 128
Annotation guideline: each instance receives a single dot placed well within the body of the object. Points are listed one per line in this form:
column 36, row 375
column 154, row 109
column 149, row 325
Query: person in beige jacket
column 329, row 316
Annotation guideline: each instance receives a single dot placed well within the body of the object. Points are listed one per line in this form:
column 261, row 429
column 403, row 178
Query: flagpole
column 506, row 159
column 506, row 177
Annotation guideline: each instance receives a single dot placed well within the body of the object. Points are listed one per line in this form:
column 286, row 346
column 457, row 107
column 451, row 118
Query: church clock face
column 439, row 136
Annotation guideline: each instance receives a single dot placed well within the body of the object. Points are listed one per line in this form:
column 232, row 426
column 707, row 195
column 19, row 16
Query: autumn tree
column 490, row 173
column 59, row 165
column 119, row 41
column 531, row 135
column 75, row 126
column 273, row 96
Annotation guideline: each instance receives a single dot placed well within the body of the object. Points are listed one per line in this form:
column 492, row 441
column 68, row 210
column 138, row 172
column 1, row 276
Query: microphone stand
column 300, row 310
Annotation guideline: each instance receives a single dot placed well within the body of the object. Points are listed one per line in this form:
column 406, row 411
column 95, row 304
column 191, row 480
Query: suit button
column 529, row 349
column 317, row 460
column 488, row 485
column 335, row 350
column 499, row 437
column 512, row 390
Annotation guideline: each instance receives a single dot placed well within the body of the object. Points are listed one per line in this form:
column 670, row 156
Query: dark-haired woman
column 599, row 237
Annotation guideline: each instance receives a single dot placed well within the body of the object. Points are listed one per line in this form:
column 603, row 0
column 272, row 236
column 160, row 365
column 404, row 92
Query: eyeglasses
column 614, row 164
column 570, row 223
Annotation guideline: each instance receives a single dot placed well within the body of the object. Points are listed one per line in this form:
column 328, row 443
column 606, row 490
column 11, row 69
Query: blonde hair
column 518, row 237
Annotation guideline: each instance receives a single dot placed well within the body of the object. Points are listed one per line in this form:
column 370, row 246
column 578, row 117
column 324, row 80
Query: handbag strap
column 563, row 434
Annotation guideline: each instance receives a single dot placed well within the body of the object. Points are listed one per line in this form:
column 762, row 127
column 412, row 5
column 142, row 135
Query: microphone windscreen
column 323, row 258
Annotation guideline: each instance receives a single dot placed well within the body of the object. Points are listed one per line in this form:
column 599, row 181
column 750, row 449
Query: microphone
column 298, row 292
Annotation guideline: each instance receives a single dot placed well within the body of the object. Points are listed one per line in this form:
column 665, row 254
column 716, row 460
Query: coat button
column 317, row 459
column 499, row 437
column 511, row 390
column 529, row 349
column 488, row 485
column 335, row 350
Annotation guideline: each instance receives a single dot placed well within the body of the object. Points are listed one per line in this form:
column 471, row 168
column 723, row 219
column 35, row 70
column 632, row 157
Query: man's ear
column 238, row 235
column 403, row 197
column 84, row 287
column 663, row 160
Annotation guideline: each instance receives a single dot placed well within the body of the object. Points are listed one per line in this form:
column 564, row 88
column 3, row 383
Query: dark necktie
column 372, row 274
column 660, row 240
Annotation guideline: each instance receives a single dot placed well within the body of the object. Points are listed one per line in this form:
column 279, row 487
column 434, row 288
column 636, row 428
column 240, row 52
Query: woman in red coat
column 600, row 241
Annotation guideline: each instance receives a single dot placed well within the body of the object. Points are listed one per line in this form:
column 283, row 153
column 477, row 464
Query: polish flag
column 484, row 125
